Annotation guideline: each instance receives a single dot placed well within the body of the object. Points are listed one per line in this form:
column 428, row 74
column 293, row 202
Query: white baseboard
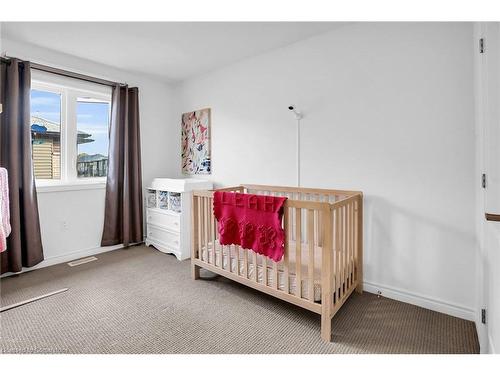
column 66, row 258
column 482, row 334
column 420, row 300
column 491, row 348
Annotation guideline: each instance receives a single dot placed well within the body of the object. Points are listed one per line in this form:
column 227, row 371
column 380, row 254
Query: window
column 46, row 134
column 92, row 137
column 69, row 129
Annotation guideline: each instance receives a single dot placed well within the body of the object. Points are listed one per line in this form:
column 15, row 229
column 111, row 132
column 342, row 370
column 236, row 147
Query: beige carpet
column 139, row 300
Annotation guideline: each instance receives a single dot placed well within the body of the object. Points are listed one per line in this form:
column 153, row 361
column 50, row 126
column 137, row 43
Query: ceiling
column 171, row 50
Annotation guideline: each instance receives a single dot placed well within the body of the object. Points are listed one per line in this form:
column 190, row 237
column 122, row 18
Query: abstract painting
column 196, row 142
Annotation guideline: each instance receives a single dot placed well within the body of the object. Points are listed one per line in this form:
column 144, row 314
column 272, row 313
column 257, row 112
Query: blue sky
column 92, row 118
column 46, row 105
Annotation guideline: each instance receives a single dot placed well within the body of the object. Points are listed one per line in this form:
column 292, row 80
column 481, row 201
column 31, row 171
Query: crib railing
column 323, row 248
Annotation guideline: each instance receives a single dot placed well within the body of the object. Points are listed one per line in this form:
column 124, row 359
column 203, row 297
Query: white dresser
column 168, row 216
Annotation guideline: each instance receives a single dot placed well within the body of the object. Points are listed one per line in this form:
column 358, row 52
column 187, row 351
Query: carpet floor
column 138, row 300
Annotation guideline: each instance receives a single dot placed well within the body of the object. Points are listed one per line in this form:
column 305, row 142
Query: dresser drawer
column 164, row 220
column 168, row 238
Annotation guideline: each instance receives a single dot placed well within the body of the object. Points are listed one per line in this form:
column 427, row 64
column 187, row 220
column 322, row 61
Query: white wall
column 388, row 110
column 83, row 210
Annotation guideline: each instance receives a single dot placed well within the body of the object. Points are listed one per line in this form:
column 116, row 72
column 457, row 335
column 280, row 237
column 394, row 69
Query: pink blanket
column 251, row 221
column 4, row 209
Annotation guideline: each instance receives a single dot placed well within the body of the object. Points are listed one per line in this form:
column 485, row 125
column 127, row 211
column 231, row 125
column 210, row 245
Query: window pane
column 92, row 138
column 46, row 134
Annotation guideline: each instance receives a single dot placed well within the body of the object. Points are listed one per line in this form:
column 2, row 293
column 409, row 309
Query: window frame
column 70, row 90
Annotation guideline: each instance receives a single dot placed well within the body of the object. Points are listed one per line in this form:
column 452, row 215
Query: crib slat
column 199, row 228
column 202, row 226
column 211, row 215
column 320, row 223
column 344, row 237
column 293, row 221
column 286, row 221
column 276, row 270
column 351, row 259
column 349, row 248
column 228, row 258
column 310, row 265
column 334, row 243
column 245, row 263
column 214, row 234
column 298, row 252
column 211, row 226
column 275, row 275
column 206, row 226
column 355, row 269
column 237, row 258
column 355, row 241
column 255, row 268
column 208, row 234
column 348, row 245
column 221, row 256
column 316, row 220
column 348, row 218
column 338, row 243
column 195, row 253
column 346, row 249
column 332, row 250
column 264, row 270
column 337, row 253
column 341, row 253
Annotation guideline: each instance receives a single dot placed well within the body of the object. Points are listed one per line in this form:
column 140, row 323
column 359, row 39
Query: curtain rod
column 67, row 73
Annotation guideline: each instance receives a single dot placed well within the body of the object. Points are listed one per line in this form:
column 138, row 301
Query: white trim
column 71, row 140
column 482, row 333
column 491, row 346
column 420, row 300
column 66, row 258
column 96, row 184
column 52, row 80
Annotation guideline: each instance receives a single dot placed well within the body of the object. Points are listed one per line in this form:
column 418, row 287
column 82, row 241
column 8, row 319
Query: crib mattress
column 261, row 263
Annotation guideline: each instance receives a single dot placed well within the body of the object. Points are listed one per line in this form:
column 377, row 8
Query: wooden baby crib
column 323, row 260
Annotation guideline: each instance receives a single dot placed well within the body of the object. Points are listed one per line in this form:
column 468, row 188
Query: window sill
column 50, row 187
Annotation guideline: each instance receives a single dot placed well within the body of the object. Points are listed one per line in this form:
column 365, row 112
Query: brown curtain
column 123, row 222
column 24, row 245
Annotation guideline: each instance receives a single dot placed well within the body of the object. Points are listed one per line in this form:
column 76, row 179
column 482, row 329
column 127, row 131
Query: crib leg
column 359, row 288
column 195, row 271
column 326, row 327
